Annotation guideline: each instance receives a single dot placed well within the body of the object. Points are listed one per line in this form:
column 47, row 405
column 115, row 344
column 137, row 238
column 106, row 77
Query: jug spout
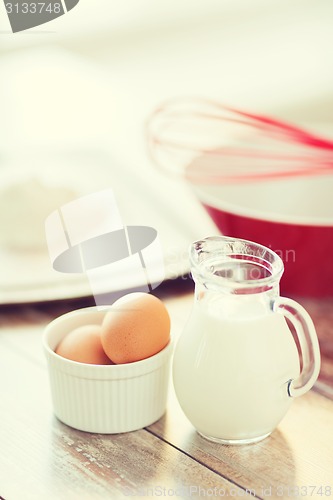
column 235, row 264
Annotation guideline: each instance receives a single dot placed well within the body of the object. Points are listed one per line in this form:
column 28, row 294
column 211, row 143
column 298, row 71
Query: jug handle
column 308, row 342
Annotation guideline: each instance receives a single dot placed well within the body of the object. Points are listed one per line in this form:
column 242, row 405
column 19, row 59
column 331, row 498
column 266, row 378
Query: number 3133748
column 33, row 8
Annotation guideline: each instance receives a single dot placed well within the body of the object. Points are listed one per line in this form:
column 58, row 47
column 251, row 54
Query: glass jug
column 236, row 366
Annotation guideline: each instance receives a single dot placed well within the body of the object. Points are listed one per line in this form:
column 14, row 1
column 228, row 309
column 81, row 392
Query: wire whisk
column 208, row 142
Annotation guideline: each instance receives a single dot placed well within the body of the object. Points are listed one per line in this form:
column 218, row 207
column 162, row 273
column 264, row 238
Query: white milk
column 231, row 376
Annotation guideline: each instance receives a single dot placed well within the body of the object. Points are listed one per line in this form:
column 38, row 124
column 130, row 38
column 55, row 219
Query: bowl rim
column 92, row 371
column 213, row 201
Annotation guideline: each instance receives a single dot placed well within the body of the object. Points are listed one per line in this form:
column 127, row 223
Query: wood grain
column 299, row 452
column 42, row 458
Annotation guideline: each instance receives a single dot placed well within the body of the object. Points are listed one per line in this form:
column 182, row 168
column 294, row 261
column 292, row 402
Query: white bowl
column 105, row 399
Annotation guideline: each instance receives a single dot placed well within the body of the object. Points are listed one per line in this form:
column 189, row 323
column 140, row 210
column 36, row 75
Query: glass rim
column 230, row 246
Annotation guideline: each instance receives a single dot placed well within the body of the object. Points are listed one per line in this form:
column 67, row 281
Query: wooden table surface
column 41, row 458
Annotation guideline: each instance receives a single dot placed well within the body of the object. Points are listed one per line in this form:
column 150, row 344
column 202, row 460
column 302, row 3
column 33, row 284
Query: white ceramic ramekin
column 105, row 399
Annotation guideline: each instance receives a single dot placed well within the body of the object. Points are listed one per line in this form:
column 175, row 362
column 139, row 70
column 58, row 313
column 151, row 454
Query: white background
column 88, row 80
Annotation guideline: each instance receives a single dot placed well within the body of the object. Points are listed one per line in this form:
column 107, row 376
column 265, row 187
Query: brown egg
column 137, row 327
column 84, row 345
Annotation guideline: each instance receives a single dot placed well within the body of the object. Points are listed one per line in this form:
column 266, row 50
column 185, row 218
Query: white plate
column 143, row 199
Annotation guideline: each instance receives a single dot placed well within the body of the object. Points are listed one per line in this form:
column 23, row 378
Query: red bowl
column 293, row 217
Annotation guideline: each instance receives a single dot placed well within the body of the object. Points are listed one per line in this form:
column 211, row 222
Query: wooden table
column 41, row 458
